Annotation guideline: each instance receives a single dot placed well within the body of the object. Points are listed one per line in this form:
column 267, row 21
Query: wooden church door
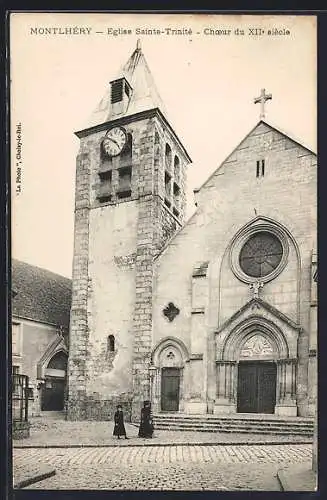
column 256, row 391
column 170, row 382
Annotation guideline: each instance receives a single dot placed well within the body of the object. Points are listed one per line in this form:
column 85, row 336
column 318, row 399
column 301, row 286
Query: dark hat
column 119, row 406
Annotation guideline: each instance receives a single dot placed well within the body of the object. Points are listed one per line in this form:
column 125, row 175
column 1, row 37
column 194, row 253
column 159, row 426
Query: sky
column 207, row 82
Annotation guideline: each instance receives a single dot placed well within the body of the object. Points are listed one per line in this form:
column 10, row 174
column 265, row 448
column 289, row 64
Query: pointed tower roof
column 145, row 95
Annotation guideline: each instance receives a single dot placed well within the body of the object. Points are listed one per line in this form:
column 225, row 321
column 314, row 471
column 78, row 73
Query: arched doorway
column 256, row 364
column 256, row 375
column 169, row 358
column 53, row 392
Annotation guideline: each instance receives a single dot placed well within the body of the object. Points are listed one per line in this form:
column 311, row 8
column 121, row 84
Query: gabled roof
column 279, row 131
column 145, row 95
column 287, row 135
column 41, row 295
column 167, row 244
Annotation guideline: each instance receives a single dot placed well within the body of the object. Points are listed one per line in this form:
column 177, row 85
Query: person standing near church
column 119, row 428
column 146, row 423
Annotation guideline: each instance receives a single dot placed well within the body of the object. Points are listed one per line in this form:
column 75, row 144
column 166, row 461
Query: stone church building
column 213, row 315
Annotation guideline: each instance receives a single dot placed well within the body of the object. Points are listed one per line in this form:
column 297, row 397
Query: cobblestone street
column 190, row 467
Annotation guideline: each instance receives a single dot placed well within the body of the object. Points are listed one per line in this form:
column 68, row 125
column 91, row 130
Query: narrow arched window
column 127, row 152
column 176, row 169
column 168, row 156
column 111, row 343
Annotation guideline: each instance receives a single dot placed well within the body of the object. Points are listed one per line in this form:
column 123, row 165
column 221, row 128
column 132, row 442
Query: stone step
column 297, row 421
column 279, row 432
column 264, row 424
column 249, row 429
column 55, row 415
column 238, row 425
column 234, row 423
column 233, row 416
column 269, row 424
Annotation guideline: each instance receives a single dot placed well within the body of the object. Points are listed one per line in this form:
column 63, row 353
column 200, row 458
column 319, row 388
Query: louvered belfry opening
column 105, row 189
column 117, row 88
column 125, row 180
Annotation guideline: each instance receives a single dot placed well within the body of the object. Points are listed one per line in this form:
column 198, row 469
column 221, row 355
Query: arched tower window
column 124, row 189
column 176, row 169
column 168, row 157
column 168, row 175
column 126, row 154
column 176, row 188
column 111, row 343
column 105, row 158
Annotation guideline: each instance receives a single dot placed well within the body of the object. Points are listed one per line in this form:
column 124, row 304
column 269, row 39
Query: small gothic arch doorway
column 169, row 358
column 54, row 390
column 170, row 388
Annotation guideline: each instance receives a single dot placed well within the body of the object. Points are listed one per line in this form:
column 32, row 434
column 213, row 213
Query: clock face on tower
column 114, row 141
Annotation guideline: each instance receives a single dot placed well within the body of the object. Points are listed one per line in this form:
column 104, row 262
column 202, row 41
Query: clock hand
column 113, row 140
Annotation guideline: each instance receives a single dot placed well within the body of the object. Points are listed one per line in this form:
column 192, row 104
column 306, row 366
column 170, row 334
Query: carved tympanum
column 256, row 346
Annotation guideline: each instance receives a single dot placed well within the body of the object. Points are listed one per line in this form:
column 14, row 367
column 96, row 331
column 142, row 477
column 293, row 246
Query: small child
column 119, row 428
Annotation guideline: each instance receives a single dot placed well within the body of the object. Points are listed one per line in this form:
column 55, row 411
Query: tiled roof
column 40, row 295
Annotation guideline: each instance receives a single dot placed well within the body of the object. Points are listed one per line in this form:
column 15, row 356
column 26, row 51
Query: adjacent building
column 40, row 323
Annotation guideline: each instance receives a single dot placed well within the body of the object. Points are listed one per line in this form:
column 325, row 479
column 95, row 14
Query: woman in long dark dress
column 146, row 424
column 119, row 428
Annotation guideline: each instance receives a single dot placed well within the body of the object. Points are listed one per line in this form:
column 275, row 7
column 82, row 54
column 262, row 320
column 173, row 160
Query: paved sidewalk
column 297, row 477
column 47, row 432
column 26, row 473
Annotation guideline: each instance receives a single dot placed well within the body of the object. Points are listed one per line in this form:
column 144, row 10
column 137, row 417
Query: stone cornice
column 124, row 120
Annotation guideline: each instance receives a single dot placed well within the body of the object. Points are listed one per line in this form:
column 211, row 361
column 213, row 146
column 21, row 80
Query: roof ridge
column 261, row 121
column 46, row 270
column 41, row 295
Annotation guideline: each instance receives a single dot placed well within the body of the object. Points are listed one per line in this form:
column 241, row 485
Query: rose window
column 261, row 254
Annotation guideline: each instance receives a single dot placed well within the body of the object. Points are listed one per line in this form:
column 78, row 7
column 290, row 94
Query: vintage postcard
column 164, row 251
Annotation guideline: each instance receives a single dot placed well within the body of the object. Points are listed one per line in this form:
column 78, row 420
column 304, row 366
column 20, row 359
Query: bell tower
column 129, row 200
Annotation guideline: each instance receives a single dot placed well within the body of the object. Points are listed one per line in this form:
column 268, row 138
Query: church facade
column 213, row 315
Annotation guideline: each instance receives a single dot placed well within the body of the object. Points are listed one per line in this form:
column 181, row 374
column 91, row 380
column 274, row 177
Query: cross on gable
column 262, row 100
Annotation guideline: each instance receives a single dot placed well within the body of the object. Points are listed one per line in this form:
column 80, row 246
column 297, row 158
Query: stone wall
column 78, row 336
column 156, row 224
column 115, row 243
